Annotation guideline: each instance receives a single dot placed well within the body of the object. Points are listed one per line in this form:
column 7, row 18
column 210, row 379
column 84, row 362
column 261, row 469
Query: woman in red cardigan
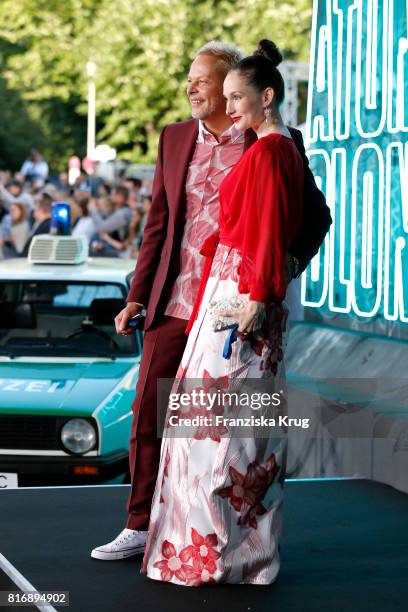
column 217, row 509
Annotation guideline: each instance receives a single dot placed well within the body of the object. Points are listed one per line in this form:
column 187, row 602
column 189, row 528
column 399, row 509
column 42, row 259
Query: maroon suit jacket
column 158, row 259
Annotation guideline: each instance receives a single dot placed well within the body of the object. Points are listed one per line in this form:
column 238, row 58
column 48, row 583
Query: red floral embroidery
column 214, row 384
column 226, row 263
column 217, row 263
column 206, row 411
column 247, row 491
column 203, row 573
column 202, row 549
column 212, row 431
column 172, row 565
column 201, row 553
column 210, row 385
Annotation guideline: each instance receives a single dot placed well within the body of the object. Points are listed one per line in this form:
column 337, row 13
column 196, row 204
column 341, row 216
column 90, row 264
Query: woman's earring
column 267, row 113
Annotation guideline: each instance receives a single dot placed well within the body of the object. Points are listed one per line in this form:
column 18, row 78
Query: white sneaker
column 129, row 542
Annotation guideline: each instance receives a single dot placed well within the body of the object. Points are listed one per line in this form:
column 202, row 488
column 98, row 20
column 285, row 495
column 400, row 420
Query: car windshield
column 63, row 318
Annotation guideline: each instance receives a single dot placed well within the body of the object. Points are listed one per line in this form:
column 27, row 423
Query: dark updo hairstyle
column 260, row 69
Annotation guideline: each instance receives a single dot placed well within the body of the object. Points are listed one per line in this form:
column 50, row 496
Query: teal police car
column 67, row 380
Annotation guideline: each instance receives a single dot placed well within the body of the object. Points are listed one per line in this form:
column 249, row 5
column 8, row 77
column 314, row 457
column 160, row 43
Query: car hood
column 62, row 388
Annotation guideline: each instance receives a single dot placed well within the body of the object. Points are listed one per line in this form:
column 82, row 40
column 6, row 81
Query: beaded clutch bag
column 234, row 302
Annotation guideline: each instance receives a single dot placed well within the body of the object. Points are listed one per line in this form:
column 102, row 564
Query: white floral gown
column 216, row 515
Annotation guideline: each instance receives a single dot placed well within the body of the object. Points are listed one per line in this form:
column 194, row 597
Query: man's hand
column 249, row 318
column 123, row 318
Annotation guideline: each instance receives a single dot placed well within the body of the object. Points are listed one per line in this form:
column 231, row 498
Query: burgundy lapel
column 185, row 151
column 250, row 138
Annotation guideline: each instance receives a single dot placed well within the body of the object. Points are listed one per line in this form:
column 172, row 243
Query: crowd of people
column 111, row 216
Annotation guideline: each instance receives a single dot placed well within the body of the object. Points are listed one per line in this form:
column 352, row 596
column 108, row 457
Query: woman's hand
column 249, row 319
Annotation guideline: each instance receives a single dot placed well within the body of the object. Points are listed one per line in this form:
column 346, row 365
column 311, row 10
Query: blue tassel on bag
column 230, row 339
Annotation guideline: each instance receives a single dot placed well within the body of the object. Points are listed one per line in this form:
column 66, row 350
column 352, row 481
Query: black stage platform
column 344, row 549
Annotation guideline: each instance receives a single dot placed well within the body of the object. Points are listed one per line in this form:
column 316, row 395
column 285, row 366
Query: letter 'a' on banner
column 357, row 143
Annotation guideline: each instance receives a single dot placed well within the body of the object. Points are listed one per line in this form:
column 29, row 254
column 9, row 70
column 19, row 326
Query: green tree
column 37, row 51
column 17, row 128
column 142, row 49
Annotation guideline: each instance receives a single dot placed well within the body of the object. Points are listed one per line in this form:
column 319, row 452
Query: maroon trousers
column 163, row 349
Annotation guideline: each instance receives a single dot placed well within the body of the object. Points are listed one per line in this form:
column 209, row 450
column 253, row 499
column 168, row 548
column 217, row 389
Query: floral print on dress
column 201, row 554
column 224, row 266
column 207, row 429
column 227, row 263
column 247, row 492
column 214, row 384
column 172, row 565
column 207, row 411
column 213, row 431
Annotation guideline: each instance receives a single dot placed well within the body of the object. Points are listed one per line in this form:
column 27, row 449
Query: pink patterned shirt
column 211, row 162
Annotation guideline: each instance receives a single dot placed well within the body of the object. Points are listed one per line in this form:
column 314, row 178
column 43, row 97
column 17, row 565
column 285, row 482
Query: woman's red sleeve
column 273, row 222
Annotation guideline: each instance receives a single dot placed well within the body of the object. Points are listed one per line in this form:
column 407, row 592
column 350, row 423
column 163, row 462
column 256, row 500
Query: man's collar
column 232, row 134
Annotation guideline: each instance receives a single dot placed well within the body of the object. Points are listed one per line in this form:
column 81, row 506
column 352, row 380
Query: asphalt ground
column 344, row 547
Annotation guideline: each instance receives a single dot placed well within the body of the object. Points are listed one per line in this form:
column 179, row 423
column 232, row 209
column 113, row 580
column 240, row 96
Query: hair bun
column 268, row 49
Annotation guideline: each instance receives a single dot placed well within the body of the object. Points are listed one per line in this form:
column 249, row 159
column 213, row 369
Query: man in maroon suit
column 193, row 158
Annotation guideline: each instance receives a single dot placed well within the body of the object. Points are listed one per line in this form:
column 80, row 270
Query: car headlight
column 78, row 436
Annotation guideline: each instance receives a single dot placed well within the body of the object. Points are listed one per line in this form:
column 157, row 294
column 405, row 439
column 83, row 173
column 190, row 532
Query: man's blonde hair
column 225, row 52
